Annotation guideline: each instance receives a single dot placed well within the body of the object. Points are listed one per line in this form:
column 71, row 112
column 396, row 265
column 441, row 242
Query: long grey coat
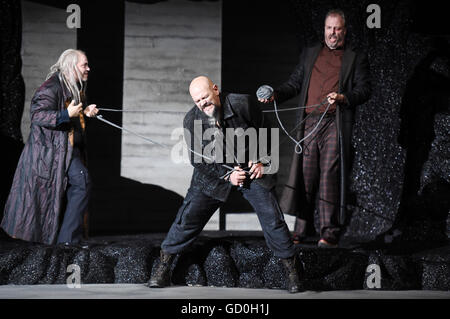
column 34, row 205
column 354, row 83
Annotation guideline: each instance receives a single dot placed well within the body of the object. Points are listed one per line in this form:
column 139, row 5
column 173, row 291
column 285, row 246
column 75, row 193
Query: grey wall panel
column 45, row 36
column 166, row 45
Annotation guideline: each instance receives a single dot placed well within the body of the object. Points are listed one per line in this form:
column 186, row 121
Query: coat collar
column 347, row 60
column 227, row 111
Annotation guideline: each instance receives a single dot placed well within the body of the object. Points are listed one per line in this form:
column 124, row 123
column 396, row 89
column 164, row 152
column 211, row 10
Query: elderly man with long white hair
column 50, row 190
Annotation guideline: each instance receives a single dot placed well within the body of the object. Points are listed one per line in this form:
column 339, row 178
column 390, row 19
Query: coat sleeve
column 361, row 88
column 44, row 108
column 250, row 110
column 252, row 114
column 293, row 85
column 213, row 169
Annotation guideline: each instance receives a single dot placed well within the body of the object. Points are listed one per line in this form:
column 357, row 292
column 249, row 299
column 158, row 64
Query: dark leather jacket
column 238, row 111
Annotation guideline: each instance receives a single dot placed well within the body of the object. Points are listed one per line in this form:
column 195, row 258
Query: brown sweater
column 324, row 78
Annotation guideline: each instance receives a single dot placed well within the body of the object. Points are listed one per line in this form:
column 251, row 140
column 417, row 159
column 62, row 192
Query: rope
column 139, row 111
column 288, row 135
column 101, row 118
column 298, row 148
column 293, row 108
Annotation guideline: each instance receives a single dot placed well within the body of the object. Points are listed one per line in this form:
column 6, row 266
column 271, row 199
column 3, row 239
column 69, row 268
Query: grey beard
column 212, row 119
column 338, row 40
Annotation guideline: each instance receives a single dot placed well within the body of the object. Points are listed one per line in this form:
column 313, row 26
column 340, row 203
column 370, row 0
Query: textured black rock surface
column 12, row 87
column 12, row 93
column 227, row 261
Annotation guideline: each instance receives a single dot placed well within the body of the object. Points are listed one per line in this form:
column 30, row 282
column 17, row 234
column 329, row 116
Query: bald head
column 205, row 95
column 200, row 83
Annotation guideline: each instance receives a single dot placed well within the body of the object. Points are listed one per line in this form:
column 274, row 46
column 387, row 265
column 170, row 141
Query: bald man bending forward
column 209, row 189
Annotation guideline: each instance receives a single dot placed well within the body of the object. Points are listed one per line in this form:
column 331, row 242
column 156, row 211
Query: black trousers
column 198, row 208
column 78, row 191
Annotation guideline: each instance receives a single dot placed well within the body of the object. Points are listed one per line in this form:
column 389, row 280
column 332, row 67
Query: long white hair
column 69, row 73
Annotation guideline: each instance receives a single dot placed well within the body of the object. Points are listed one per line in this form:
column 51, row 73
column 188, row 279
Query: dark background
column 400, row 176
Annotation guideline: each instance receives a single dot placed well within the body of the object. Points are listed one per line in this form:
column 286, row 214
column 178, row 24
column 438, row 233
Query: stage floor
column 140, row 291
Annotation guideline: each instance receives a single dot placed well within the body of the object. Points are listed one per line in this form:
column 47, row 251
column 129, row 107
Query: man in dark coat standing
column 50, row 190
column 336, row 74
column 211, row 181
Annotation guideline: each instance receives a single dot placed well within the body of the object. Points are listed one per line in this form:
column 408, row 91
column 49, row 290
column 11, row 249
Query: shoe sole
column 154, row 285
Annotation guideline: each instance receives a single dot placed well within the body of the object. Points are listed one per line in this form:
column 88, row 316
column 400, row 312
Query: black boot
column 293, row 280
column 161, row 275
